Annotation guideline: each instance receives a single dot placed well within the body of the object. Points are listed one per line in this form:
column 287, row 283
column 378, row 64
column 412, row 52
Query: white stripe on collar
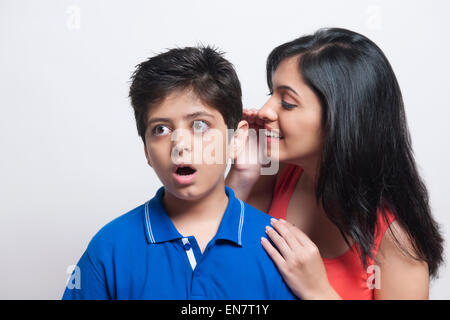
column 152, row 238
column 241, row 223
column 148, row 224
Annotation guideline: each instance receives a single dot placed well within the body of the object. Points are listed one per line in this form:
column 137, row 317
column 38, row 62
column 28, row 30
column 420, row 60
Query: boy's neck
column 209, row 207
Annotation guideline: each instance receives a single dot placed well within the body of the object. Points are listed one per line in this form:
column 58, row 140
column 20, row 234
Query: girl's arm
column 400, row 276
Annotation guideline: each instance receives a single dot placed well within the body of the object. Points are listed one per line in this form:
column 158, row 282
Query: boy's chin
column 190, row 192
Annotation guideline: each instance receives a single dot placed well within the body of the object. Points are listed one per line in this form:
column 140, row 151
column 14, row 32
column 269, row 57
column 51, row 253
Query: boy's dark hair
column 201, row 69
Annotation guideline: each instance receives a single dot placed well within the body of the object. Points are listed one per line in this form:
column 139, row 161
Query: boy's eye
column 160, row 130
column 200, row 126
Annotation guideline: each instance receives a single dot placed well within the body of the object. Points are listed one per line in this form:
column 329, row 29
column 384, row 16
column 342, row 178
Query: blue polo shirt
column 141, row 255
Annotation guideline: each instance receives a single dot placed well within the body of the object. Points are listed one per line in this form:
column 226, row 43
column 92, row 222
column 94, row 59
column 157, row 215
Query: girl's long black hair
column 367, row 163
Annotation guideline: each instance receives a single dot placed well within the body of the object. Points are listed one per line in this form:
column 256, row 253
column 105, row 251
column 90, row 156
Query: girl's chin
column 283, row 157
column 278, row 155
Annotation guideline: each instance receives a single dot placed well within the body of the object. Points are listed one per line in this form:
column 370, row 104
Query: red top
column 346, row 273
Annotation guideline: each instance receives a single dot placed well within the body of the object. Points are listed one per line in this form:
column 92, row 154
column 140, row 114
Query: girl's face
column 294, row 113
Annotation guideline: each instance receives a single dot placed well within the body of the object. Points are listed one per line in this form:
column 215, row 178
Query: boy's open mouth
column 184, row 170
column 184, row 174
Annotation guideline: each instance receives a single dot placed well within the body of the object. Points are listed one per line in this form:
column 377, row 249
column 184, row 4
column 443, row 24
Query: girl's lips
column 184, row 179
column 273, row 139
column 272, row 135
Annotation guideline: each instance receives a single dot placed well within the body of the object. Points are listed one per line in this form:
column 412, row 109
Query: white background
column 70, row 156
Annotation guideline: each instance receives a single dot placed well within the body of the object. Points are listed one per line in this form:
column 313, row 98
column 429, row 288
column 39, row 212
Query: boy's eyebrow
column 186, row 117
column 287, row 88
column 198, row 114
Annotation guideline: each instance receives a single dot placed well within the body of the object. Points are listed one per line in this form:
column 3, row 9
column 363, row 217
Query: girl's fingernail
column 273, row 220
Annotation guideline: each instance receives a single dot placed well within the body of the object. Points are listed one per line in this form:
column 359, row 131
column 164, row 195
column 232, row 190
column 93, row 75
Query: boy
column 194, row 239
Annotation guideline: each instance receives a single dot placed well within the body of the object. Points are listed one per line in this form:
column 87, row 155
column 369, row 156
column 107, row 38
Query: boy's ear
column 239, row 139
column 147, row 156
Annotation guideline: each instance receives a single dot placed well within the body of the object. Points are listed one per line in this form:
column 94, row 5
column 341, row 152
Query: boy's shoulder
column 256, row 214
column 255, row 222
column 120, row 231
column 130, row 228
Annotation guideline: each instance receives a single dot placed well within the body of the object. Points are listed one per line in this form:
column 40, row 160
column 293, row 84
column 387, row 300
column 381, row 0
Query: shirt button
column 187, row 246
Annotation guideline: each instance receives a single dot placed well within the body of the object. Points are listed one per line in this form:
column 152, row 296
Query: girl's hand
column 247, row 165
column 248, row 161
column 298, row 260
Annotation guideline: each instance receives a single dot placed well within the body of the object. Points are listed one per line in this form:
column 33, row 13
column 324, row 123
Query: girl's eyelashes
column 287, row 105
column 284, row 104
column 199, row 126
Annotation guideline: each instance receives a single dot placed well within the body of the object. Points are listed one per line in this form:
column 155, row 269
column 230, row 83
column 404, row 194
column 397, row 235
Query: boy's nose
column 181, row 153
column 180, row 149
column 181, row 140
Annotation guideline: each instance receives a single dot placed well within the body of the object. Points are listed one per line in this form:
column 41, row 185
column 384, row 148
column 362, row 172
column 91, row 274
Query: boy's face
column 186, row 144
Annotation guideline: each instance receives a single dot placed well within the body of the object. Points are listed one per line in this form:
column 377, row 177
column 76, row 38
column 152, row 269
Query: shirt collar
column 159, row 228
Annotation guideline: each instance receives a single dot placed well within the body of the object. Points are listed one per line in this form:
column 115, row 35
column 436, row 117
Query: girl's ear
column 239, row 139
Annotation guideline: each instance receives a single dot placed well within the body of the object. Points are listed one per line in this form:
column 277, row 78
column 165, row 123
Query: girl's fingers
column 273, row 253
column 279, row 242
column 259, row 121
column 248, row 112
column 299, row 234
column 251, row 116
column 245, row 114
column 248, row 117
column 287, row 233
column 251, row 111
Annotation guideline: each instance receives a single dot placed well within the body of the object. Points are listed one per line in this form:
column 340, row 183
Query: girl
column 354, row 217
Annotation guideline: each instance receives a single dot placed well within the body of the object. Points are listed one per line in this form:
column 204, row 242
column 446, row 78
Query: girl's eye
column 287, row 105
column 159, row 130
column 200, row 126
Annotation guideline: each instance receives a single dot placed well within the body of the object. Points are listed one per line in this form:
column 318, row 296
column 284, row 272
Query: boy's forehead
column 180, row 104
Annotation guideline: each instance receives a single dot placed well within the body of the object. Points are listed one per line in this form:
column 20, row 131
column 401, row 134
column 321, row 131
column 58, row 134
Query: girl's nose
column 267, row 112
